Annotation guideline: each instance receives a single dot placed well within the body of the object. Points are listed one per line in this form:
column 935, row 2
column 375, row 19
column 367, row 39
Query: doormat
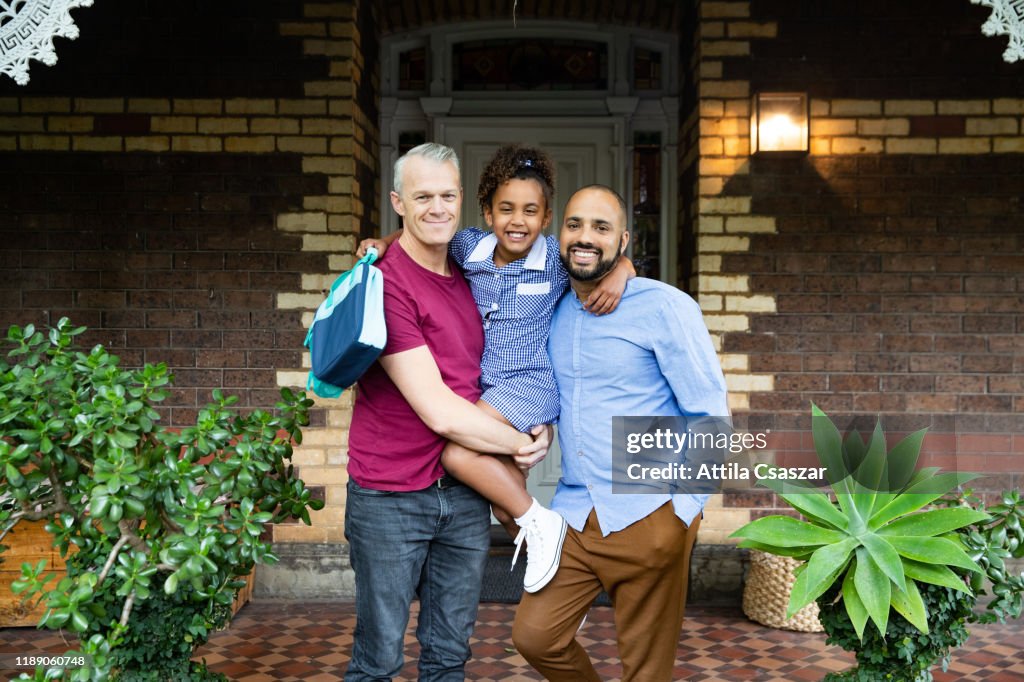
column 502, row 586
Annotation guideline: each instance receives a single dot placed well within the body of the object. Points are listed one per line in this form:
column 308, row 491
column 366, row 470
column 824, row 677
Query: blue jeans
column 430, row 544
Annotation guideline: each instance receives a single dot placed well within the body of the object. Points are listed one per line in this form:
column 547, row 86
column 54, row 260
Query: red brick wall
column 168, row 258
column 899, row 283
column 893, row 251
column 898, row 278
column 171, row 258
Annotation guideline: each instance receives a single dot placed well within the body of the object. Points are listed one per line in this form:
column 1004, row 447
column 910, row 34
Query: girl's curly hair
column 519, row 162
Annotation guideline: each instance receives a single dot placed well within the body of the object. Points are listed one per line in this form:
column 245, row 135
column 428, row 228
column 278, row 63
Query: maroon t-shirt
column 389, row 446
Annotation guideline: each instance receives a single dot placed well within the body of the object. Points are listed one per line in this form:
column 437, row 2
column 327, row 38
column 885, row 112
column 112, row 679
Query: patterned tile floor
column 310, row 642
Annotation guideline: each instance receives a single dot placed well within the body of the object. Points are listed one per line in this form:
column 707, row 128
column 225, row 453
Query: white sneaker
column 544, row 534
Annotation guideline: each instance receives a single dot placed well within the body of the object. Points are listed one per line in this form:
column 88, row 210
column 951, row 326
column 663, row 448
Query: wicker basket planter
column 766, row 594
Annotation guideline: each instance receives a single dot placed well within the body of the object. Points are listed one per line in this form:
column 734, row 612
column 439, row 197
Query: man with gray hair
column 413, row 530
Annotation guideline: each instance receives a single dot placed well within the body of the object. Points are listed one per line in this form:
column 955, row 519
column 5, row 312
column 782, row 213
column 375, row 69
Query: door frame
column 432, row 110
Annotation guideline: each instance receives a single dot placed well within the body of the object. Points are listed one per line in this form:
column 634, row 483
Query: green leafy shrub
column 162, row 633
column 149, row 510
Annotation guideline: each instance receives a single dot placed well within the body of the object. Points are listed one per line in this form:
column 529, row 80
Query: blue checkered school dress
column 515, row 303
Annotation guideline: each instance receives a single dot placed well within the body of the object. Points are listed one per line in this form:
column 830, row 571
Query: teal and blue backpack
column 347, row 334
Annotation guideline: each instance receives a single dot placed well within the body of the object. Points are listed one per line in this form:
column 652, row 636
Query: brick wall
column 879, row 274
column 898, row 280
column 187, row 181
column 172, row 258
column 720, row 221
column 401, row 15
column 144, row 178
column 894, row 265
column 878, row 49
column 689, row 147
column 186, row 48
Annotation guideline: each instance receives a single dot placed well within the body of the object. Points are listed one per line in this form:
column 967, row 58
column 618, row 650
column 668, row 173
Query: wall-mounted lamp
column 779, row 122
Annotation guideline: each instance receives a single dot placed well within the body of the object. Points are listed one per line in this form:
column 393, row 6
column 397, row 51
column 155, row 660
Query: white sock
column 529, row 514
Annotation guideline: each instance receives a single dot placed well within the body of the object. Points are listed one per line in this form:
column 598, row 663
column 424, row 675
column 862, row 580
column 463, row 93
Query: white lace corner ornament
column 27, row 30
column 1007, row 19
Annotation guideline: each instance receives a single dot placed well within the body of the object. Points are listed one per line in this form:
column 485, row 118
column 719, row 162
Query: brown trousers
column 644, row 569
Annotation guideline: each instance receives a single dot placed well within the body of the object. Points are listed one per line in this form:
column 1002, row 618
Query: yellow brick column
column 337, row 138
column 722, row 218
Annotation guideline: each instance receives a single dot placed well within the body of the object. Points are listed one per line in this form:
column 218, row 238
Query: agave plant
column 874, row 539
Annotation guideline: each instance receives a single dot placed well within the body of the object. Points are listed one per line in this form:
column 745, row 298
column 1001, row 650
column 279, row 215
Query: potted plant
column 887, row 574
column 164, row 523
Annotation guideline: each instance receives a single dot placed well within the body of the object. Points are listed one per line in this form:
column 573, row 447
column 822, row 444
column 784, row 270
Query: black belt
column 447, row 481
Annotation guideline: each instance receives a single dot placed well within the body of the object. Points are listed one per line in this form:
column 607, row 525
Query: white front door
column 584, row 151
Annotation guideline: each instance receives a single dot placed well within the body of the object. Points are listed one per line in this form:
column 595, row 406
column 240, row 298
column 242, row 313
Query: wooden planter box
column 244, row 595
column 29, row 542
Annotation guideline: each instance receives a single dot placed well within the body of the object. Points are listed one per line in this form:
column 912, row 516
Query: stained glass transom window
column 534, row 64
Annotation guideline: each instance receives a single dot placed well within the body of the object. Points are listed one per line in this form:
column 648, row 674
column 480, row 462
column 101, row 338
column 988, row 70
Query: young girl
column 516, row 279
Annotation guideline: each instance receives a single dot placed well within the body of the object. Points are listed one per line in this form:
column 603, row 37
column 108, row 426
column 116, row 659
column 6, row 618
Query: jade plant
column 995, row 543
column 150, row 519
column 871, row 544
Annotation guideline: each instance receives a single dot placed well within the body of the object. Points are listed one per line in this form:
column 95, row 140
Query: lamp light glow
column 779, row 122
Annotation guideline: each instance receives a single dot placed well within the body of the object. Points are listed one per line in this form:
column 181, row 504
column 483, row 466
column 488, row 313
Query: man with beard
column 651, row 357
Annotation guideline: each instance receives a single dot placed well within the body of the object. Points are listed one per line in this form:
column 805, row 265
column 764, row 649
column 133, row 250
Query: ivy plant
column 141, row 512
column 903, row 653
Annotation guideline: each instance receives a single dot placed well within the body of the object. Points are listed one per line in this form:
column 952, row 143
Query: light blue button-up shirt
column 651, row 357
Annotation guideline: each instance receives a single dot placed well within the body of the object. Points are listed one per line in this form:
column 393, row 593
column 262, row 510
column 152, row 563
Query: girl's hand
column 604, row 299
column 534, row 453
column 606, row 296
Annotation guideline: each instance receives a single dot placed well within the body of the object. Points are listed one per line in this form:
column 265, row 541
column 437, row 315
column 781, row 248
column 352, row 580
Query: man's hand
column 534, row 453
column 381, row 244
column 378, row 244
